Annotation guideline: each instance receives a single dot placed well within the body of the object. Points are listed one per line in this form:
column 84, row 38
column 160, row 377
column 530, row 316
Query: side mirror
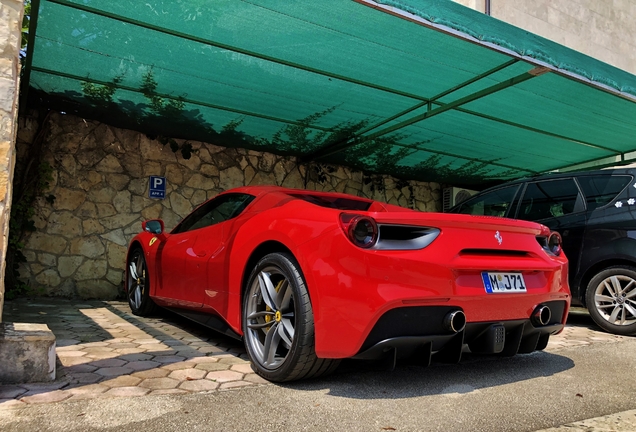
column 154, row 226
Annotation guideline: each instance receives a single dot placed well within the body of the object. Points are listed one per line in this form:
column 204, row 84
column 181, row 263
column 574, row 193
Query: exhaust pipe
column 541, row 315
column 455, row 321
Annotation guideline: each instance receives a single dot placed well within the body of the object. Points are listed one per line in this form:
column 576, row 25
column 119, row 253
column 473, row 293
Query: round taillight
column 554, row 243
column 363, row 231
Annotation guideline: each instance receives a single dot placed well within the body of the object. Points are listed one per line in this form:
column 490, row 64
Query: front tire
column 278, row 322
column 138, row 284
column 611, row 300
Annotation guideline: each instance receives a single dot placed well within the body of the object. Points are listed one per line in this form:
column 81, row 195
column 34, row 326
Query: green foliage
column 98, row 93
column 26, row 21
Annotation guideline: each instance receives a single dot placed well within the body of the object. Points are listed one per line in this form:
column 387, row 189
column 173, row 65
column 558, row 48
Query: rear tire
column 278, row 322
column 611, row 300
column 138, row 284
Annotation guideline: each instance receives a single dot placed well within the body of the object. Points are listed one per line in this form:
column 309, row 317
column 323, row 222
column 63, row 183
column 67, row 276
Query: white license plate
column 496, row 282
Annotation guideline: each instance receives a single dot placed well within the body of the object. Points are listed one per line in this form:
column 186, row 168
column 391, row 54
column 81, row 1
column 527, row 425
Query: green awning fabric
column 420, row 89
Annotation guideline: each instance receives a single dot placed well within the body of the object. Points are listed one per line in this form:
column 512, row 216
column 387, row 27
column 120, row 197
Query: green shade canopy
column 420, row 89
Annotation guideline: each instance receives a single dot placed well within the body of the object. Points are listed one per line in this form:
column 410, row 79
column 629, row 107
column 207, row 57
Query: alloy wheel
column 136, row 280
column 615, row 300
column 270, row 317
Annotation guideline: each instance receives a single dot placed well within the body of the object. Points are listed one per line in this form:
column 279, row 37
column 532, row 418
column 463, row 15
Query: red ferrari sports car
column 307, row 278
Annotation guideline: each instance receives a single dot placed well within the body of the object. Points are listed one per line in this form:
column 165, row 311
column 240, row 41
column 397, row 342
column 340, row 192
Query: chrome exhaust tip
column 455, row 321
column 541, row 315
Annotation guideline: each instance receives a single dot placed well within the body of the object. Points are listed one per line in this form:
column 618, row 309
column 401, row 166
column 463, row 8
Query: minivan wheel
column 611, row 300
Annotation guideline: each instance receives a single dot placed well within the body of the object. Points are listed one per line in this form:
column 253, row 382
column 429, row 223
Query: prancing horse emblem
column 499, row 238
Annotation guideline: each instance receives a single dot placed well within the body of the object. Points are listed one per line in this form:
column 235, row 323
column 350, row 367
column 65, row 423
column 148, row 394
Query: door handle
column 201, row 254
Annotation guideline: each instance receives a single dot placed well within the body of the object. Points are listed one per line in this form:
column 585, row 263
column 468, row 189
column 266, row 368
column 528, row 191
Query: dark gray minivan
column 595, row 213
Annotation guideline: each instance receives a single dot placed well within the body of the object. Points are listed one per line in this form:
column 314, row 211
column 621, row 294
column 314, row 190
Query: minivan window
column 600, row 190
column 550, row 198
column 495, row 203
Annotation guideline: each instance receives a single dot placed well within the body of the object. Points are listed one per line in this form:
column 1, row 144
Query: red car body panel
column 351, row 287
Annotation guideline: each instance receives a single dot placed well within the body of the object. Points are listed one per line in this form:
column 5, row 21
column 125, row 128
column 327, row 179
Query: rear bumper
column 419, row 332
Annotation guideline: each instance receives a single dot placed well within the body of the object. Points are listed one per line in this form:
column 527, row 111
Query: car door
column 205, row 232
column 558, row 204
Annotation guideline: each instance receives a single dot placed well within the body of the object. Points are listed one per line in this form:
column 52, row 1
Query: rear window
column 333, row 202
column 600, row 190
column 550, row 198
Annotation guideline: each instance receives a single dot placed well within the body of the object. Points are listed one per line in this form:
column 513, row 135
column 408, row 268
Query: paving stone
column 101, row 355
column 93, row 350
column 74, row 361
column 173, row 343
column 178, row 366
column 200, row 344
column 159, row 383
column 157, row 348
column 120, row 345
column 95, row 344
column 114, row 371
column 126, row 392
column 122, row 381
column 203, row 359
column 168, row 359
column 84, row 378
column 188, row 352
column 224, row 376
column 11, row 391
column 109, row 363
column 256, row 379
column 73, row 353
column 80, row 368
column 232, row 360
column 211, row 350
column 199, row 385
column 63, row 343
column 234, row 384
column 188, row 374
column 152, row 373
column 46, row 397
column 135, row 357
column 242, row 368
column 119, row 340
column 76, row 389
column 143, row 365
column 213, row 366
column 130, row 350
column 45, row 387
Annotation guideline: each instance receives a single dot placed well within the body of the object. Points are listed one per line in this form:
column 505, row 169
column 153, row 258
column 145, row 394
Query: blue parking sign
column 157, row 187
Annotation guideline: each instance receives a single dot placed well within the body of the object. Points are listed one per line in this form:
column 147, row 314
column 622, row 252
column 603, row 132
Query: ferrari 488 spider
column 308, row 278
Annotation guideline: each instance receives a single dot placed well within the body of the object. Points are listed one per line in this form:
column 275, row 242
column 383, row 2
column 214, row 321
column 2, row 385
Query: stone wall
column 100, row 185
column 10, row 37
column 603, row 29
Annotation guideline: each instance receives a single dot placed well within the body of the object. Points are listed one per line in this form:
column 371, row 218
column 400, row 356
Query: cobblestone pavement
column 105, row 351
